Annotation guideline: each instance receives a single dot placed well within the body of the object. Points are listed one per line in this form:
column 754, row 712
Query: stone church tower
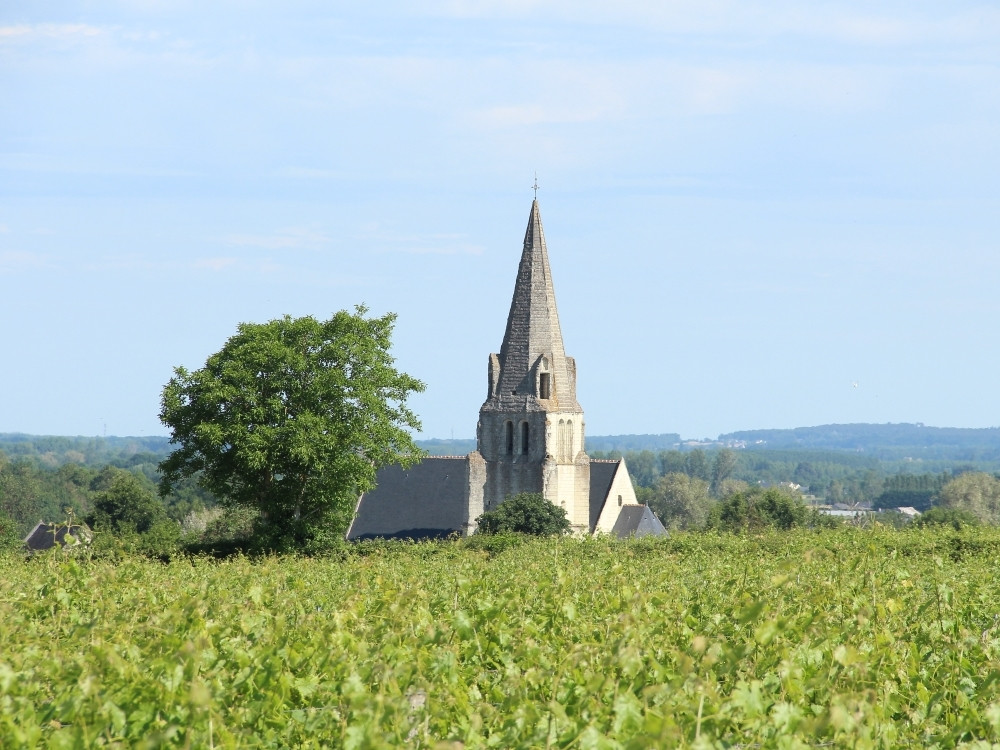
column 529, row 438
column 530, row 432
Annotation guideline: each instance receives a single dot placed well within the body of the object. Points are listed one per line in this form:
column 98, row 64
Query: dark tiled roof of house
column 47, row 535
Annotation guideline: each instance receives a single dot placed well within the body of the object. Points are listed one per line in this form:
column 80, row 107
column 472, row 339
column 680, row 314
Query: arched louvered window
column 545, row 385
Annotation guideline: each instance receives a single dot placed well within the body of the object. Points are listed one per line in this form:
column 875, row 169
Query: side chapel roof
column 637, row 521
column 427, row 501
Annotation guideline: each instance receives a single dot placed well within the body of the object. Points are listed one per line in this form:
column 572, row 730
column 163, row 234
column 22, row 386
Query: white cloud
column 52, row 31
column 418, row 244
column 858, row 23
column 460, row 249
column 292, row 238
column 311, row 173
column 532, row 114
column 215, row 264
column 13, row 261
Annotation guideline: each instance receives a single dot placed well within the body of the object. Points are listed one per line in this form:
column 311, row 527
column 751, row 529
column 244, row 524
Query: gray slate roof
column 637, row 521
column 602, row 473
column 427, row 501
column 430, row 501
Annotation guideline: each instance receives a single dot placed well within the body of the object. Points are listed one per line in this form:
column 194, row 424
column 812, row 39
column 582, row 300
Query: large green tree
column 123, row 503
column 723, row 466
column 975, row 492
column 757, row 508
column 293, row 418
column 681, row 502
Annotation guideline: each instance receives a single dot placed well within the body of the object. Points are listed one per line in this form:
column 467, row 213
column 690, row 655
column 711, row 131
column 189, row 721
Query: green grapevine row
column 845, row 638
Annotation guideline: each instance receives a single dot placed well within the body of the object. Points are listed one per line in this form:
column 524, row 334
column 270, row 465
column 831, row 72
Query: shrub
column 123, row 505
column 494, row 544
column 9, row 538
column 526, row 513
column 757, row 508
column 940, row 516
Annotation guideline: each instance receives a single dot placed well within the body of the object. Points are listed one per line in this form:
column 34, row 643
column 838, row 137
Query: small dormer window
column 545, row 385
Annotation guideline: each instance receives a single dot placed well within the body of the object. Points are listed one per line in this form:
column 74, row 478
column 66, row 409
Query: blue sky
column 758, row 214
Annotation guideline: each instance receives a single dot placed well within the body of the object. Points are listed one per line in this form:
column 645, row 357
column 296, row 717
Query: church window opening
column 619, row 500
column 524, row 437
column 508, row 429
column 545, row 385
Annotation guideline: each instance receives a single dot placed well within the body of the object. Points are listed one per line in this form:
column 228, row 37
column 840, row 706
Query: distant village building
column 530, row 438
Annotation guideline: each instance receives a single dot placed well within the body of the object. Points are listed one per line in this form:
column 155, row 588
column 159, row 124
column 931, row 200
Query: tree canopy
column 757, row 508
column 681, row 501
column 526, row 513
column 293, row 418
column 123, row 504
column 975, row 492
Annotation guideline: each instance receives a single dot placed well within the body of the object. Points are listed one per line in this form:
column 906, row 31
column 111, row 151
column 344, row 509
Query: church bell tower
column 530, row 433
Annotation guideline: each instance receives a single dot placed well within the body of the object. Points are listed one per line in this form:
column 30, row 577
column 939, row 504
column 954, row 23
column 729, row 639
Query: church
column 530, row 438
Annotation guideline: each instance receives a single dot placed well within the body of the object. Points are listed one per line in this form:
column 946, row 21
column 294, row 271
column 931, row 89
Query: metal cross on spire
column 535, row 186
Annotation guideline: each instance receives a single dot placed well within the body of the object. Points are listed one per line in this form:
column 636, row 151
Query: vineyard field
column 841, row 638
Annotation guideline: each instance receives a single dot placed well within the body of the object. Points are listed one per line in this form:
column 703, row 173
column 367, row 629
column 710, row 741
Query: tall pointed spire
column 530, row 434
column 532, row 360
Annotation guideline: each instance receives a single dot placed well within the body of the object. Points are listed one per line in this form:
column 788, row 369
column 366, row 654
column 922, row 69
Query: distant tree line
column 31, row 491
column 111, row 483
column 711, row 489
column 54, row 451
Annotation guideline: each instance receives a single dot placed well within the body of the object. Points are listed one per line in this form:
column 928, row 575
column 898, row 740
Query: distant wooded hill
column 884, row 441
column 53, row 451
column 604, row 443
column 891, row 442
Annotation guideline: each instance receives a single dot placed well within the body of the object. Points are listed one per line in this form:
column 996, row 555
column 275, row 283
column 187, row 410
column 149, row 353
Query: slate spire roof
column 533, row 330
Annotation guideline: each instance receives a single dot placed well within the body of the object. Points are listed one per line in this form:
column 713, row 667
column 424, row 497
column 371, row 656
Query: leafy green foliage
column 31, row 491
column 123, row 504
column 758, row 508
column 976, row 493
column 680, row 501
column 127, row 515
column 957, row 518
column 834, row 476
column 292, row 418
column 10, row 539
column 526, row 513
column 911, row 490
column 850, row 638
